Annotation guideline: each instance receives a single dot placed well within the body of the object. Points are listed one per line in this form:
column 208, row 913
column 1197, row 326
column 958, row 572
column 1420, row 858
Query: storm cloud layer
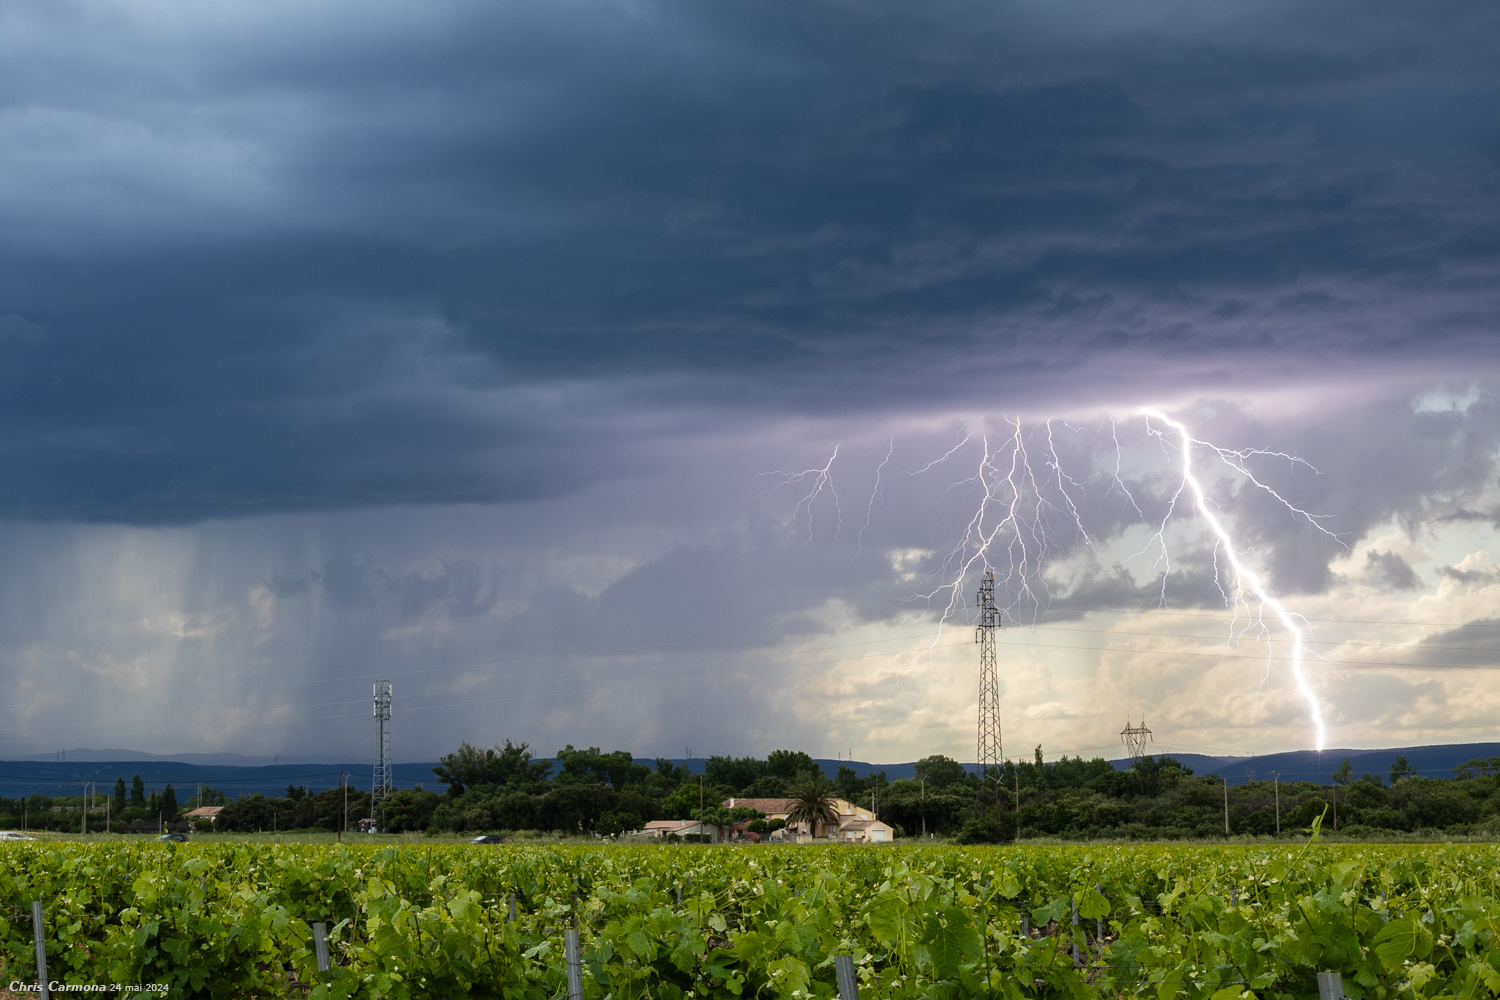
column 290, row 257
column 452, row 341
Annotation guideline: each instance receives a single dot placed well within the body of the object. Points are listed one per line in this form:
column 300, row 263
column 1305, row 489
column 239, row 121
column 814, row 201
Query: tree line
column 506, row 787
column 125, row 808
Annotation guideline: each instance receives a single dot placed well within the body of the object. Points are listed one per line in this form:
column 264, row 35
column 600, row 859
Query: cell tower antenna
column 989, row 681
column 382, row 785
column 1136, row 738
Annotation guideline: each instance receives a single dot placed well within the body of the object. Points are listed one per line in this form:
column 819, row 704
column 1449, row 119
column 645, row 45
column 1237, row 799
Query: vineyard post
column 575, row 969
column 512, row 908
column 1018, row 804
column 1330, row 986
column 1075, row 924
column 1278, row 803
column 1099, row 924
column 1226, row 807
column 843, row 967
column 320, row 945
column 41, row 949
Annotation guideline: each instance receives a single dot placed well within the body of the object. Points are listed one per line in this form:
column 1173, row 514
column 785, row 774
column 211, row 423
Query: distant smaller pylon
column 1135, row 738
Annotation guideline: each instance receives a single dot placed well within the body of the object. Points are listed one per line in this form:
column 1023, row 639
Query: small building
column 770, row 808
column 661, row 829
column 865, row 831
column 854, row 825
column 210, row 813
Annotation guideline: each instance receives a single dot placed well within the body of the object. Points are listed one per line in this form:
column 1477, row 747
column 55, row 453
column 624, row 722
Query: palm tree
column 812, row 803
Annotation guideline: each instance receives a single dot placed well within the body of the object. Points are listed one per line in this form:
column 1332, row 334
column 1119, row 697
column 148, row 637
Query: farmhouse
column 210, row 813
column 856, row 824
column 663, row 828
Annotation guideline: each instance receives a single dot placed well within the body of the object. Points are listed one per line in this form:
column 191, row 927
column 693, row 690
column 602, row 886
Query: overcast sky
column 480, row 347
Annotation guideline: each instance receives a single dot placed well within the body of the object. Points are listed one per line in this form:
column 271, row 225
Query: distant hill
column 1311, row 765
column 27, row 777
column 229, row 772
column 84, row 755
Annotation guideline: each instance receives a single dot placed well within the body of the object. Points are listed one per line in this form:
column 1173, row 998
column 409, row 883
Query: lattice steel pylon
column 989, row 681
column 382, row 785
column 1135, row 738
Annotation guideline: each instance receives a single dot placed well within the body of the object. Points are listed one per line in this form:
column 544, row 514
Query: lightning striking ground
column 1247, row 580
column 1026, row 515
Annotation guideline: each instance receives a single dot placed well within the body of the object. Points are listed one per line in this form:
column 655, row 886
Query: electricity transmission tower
column 1135, row 738
column 989, row 682
column 382, row 786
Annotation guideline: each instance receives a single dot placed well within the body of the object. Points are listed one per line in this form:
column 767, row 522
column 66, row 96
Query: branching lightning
column 878, row 492
column 822, row 479
column 1247, row 581
column 1028, row 515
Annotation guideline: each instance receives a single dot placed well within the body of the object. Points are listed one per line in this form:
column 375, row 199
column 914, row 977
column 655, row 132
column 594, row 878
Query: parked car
column 488, row 838
column 172, row 838
column 14, row 835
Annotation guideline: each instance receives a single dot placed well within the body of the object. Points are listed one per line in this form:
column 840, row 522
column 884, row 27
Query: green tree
column 767, row 787
column 1343, row 774
column 119, row 796
column 575, row 808
column 168, row 804
column 812, row 803
column 847, row 783
column 1400, row 770
column 683, row 803
column 1479, row 767
column 671, row 774
column 137, row 792
column 407, row 809
column 738, row 773
column 612, row 824
column 938, row 771
column 469, row 765
column 594, row 767
column 790, row 765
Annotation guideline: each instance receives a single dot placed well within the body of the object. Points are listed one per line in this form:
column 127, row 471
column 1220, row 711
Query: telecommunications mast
column 382, row 786
column 989, row 681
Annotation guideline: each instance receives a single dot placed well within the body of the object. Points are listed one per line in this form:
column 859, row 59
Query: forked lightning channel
column 1029, row 511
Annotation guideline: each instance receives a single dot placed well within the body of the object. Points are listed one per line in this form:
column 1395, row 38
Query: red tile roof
column 767, row 806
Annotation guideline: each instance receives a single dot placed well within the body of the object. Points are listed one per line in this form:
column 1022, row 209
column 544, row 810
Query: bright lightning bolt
column 1028, row 512
column 1248, row 579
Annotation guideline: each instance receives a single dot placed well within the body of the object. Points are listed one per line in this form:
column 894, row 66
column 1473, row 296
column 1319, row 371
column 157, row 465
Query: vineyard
column 231, row 920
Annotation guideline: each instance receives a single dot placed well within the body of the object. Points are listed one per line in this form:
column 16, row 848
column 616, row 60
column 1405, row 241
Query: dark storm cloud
column 1389, row 570
column 271, row 257
column 1470, row 576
